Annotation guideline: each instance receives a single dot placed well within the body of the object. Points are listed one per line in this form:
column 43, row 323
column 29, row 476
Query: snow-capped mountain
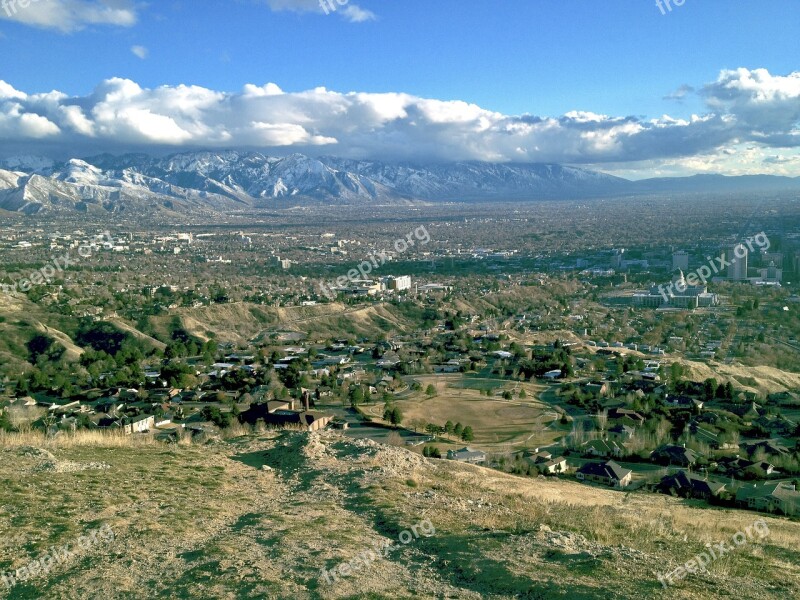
column 79, row 185
column 224, row 180
column 481, row 181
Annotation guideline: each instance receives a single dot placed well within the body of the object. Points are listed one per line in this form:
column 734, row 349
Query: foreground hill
column 262, row 516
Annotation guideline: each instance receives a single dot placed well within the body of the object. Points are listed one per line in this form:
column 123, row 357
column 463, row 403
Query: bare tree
column 601, row 418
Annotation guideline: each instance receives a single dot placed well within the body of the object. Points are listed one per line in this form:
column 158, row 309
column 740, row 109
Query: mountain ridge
column 229, row 180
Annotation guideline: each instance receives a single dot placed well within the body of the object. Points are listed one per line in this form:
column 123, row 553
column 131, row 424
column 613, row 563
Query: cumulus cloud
column 751, row 126
column 350, row 11
column 766, row 106
column 70, row 15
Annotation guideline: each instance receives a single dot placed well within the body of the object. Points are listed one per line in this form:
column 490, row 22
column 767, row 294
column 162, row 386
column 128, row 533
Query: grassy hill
column 260, row 516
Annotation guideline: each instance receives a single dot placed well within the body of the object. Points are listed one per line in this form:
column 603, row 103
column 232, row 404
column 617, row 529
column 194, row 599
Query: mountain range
column 224, row 181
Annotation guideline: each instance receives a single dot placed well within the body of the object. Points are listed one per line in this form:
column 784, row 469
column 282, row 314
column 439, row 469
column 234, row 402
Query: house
column 777, row 425
column 544, row 461
column 704, row 434
column 553, row 465
column 736, row 466
column 467, row 455
column 759, row 469
column 330, row 361
column 389, row 360
column 164, row 420
column 626, row 416
column 621, row 433
column 604, row 448
column 686, row 485
column 608, row 473
column 598, row 389
column 683, row 402
column 675, row 455
column 131, row 425
column 772, row 497
column 537, row 456
column 769, row 448
column 554, row 374
column 282, row 414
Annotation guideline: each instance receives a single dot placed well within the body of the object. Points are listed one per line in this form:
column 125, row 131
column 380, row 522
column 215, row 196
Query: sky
column 630, row 87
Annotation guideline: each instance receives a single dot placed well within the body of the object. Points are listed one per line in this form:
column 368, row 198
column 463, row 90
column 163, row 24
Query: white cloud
column 350, row 11
column 746, row 109
column 70, row 15
column 140, row 51
column 356, row 14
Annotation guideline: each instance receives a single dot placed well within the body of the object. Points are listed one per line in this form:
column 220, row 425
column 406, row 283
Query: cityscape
column 335, row 299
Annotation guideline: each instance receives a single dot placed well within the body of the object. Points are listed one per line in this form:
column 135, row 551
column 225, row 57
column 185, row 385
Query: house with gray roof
column 608, row 473
column 771, row 497
column 467, row 455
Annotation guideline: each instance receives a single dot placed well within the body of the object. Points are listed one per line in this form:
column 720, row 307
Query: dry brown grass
column 77, row 439
column 236, row 430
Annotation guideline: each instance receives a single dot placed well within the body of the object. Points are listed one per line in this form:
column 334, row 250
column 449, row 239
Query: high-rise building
column 737, row 256
column 616, row 257
column 399, row 283
column 772, row 257
column 680, row 260
column 772, row 273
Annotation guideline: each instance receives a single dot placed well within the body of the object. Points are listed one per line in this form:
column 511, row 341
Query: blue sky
column 610, row 63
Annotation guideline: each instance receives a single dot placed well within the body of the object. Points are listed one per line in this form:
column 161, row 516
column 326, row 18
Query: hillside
column 242, row 323
column 260, row 517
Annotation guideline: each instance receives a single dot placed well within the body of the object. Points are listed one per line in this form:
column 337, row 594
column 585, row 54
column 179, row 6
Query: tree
column 467, row 435
column 458, row 429
column 43, row 345
column 675, row 373
column 396, row 416
column 522, row 394
column 213, row 414
column 448, row 428
column 356, row 395
column 710, row 388
column 5, row 422
column 430, row 391
column 417, row 424
column 431, row 452
column 602, row 420
column 394, row 439
column 433, row 429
